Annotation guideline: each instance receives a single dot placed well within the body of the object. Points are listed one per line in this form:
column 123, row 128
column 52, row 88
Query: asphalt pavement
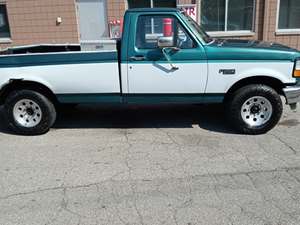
column 150, row 165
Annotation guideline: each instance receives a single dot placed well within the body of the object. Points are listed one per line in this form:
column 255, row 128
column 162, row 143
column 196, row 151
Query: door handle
column 138, row 58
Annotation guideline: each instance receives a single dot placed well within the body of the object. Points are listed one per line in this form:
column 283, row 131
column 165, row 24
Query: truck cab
column 162, row 56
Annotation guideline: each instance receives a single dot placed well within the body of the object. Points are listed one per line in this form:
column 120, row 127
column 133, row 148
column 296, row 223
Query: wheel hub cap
column 256, row 111
column 27, row 113
column 30, row 111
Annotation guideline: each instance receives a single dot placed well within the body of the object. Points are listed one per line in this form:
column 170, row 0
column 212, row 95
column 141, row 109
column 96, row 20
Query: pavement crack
column 65, row 203
column 116, row 207
column 175, row 216
column 282, row 169
column 285, row 143
column 293, row 176
column 56, row 215
column 31, row 192
column 131, row 181
column 49, row 189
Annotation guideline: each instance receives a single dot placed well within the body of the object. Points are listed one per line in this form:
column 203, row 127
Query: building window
column 289, row 14
column 227, row 15
column 4, row 25
column 151, row 3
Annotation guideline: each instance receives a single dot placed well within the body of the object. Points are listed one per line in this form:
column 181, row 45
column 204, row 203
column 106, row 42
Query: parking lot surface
column 180, row 165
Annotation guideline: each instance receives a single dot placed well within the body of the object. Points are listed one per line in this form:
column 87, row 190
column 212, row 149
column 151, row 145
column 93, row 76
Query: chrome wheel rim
column 27, row 113
column 256, row 111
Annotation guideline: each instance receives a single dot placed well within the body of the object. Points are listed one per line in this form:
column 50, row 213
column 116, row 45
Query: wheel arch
column 21, row 84
column 272, row 82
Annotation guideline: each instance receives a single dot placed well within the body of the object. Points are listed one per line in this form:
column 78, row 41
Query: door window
column 151, row 28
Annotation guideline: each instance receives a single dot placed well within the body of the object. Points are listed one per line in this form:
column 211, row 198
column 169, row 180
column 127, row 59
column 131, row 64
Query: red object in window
column 116, row 28
column 167, row 27
column 121, row 26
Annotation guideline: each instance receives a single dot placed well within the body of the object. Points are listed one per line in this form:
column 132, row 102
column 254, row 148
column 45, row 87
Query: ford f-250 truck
column 162, row 57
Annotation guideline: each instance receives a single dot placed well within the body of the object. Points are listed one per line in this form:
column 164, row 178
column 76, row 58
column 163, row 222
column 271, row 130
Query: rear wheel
column 29, row 112
column 254, row 109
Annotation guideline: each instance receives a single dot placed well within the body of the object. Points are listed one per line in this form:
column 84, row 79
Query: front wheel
column 29, row 112
column 254, row 109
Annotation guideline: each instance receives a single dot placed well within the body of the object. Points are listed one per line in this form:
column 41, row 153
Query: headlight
column 297, row 69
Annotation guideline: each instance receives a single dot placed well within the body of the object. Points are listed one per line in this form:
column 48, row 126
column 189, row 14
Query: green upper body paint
column 230, row 49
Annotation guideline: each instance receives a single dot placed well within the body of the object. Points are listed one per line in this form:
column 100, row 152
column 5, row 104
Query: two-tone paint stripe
column 58, row 59
column 141, row 98
column 99, row 57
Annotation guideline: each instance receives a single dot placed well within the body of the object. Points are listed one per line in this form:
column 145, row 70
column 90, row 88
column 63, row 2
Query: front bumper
column 292, row 94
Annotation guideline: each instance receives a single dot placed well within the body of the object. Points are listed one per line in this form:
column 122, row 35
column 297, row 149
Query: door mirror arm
column 167, row 56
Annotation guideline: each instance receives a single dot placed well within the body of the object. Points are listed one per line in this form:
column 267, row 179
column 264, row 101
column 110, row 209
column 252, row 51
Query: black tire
column 47, row 108
column 238, row 98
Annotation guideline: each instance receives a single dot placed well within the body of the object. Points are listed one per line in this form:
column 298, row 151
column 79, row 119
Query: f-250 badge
column 227, row 71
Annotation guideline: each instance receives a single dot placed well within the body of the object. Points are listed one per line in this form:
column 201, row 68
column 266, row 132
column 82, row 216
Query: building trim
column 287, row 32
column 245, row 33
column 277, row 15
column 5, row 41
column 77, row 20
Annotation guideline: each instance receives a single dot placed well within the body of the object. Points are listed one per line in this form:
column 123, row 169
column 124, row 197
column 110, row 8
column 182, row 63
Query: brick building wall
column 34, row 21
column 116, row 9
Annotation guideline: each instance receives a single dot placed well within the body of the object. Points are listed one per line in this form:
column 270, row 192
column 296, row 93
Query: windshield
column 198, row 28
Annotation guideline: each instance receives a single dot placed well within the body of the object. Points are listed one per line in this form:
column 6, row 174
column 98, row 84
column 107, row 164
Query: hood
column 234, row 49
column 252, row 44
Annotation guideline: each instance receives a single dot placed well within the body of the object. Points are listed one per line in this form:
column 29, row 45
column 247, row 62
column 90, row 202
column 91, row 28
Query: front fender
column 221, row 83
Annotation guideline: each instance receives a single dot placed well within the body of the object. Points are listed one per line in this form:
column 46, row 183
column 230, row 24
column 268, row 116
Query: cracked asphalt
column 178, row 165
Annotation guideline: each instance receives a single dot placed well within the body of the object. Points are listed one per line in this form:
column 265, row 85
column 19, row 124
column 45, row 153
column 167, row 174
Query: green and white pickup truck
column 163, row 57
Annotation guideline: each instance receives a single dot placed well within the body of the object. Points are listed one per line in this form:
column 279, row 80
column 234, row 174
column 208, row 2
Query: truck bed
column 73, row 76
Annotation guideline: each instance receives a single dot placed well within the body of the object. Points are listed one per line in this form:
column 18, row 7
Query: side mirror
column 165, row 42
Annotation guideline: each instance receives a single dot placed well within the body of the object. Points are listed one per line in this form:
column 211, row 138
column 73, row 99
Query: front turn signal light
column 297, row 69
column 297, row 73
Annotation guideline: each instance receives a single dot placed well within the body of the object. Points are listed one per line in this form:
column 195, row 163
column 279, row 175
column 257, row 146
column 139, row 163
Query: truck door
column 150, row 71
